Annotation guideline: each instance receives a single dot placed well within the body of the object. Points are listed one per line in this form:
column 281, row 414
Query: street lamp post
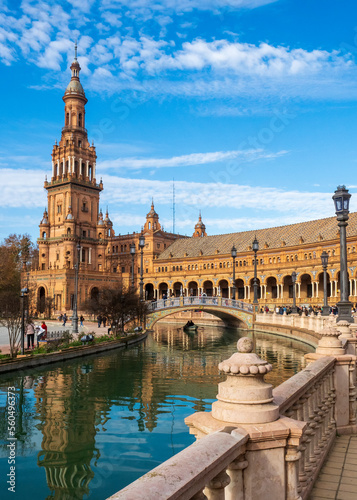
column 255, row 283
column 75, row 298
column 234, row 255
column 324, row 261
column 141, row 245
column 24, row 293
column 132, row 253
column 341, row 199
column 293, row 279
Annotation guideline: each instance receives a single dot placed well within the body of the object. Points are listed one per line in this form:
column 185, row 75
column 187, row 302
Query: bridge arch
column 225, row 309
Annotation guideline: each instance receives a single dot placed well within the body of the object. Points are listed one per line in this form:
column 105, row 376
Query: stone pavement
column 338, row 476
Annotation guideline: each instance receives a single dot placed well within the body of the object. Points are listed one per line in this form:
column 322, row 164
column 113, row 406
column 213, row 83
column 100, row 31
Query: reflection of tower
column 69, row 429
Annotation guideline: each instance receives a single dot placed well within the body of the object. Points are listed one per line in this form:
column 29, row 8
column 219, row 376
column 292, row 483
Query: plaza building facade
column 204, row 265
column 74, row 229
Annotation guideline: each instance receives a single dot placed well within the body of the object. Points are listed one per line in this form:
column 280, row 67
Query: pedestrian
column 104, row 321
column 64, row 317
column 81, row 319
column 30, row 333
column 44, row 327
column 99, row 319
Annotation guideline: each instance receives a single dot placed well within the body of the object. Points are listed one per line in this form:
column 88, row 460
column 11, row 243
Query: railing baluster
column 215, row 488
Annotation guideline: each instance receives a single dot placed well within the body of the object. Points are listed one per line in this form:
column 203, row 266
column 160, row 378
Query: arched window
column 44, row 235
column 68, row 231
column 67, row 119
column 149, row 225
column 80, row 120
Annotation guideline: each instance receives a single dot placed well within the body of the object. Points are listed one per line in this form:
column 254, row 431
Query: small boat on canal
column 190, row 327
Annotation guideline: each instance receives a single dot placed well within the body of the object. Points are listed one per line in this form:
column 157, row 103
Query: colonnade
column 265, row 290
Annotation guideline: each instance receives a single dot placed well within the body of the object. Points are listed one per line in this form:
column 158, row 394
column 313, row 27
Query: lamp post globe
column 132, row 253
column 234, row 255
column 341, row 200
column 324, row 262
column 141, row 246
column 255, row 246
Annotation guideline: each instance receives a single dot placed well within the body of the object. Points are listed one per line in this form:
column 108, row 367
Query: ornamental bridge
column 230, row 311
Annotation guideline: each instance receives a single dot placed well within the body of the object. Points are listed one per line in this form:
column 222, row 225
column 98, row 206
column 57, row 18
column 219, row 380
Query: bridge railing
column 199, row 301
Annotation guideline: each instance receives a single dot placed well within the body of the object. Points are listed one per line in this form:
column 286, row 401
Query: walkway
column 54, row 326
column 338, row 476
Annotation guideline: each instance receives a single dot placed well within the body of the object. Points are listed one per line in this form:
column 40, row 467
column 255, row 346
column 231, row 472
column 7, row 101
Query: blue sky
column 250, row 105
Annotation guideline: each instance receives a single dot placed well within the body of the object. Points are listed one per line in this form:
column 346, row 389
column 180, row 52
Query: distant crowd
column 304, row 310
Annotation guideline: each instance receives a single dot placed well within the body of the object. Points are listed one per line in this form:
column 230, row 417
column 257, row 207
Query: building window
column 158, row 245
column 114, row 269
column 57, row 256
column 59, row 209
column 123, row 269
column 43, row 266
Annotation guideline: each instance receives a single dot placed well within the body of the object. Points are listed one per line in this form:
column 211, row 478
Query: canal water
column 87, row 428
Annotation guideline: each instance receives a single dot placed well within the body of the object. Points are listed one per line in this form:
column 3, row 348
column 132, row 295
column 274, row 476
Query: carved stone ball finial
column 245, row 397
column 245, row 344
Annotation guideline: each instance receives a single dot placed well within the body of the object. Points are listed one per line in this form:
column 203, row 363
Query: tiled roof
column 275, row 237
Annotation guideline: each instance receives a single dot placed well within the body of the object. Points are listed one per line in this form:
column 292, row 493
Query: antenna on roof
column 75, row 50
column 173, row 206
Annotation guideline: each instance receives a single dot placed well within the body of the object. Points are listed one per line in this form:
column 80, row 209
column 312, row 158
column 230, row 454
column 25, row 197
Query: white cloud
column 187, row 160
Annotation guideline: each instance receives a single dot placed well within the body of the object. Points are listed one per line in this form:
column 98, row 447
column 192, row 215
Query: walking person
column 99, row 319
column 30, row 334
column 44, row 327
column 104, row 321
column 81, row 319
column 64, row 317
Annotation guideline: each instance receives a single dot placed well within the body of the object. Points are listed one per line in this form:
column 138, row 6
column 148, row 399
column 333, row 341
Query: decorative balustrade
column 270, row 443
column 310, row 396
column 316, row 323
column 199, row 301
column 213, row 464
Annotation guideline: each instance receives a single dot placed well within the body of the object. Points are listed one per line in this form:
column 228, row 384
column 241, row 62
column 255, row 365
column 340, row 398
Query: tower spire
column 75, row 50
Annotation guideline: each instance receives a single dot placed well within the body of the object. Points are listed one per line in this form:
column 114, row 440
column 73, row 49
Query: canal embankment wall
column 294, row 333
column 36, row 360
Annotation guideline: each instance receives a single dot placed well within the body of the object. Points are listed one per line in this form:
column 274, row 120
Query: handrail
column 190, row 471
column 199, row 301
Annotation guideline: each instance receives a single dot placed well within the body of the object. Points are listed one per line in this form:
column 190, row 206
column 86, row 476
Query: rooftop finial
column 75, row 50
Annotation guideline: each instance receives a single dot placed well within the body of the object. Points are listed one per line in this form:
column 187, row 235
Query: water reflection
column 87, row 428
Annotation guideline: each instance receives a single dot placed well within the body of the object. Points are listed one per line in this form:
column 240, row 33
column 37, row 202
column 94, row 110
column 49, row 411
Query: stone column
column 87, row 168
column 299, row 290
column 53, row 169
column 265, row 291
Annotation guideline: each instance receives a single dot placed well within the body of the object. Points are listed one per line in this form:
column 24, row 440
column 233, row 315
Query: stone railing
column 315, row 323
column 309, row 397
column 258, row 442
column 199, row 301
column 213, row 463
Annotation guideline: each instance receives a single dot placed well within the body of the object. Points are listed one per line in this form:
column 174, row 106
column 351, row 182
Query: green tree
column 15, row 252
column 119, row 306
